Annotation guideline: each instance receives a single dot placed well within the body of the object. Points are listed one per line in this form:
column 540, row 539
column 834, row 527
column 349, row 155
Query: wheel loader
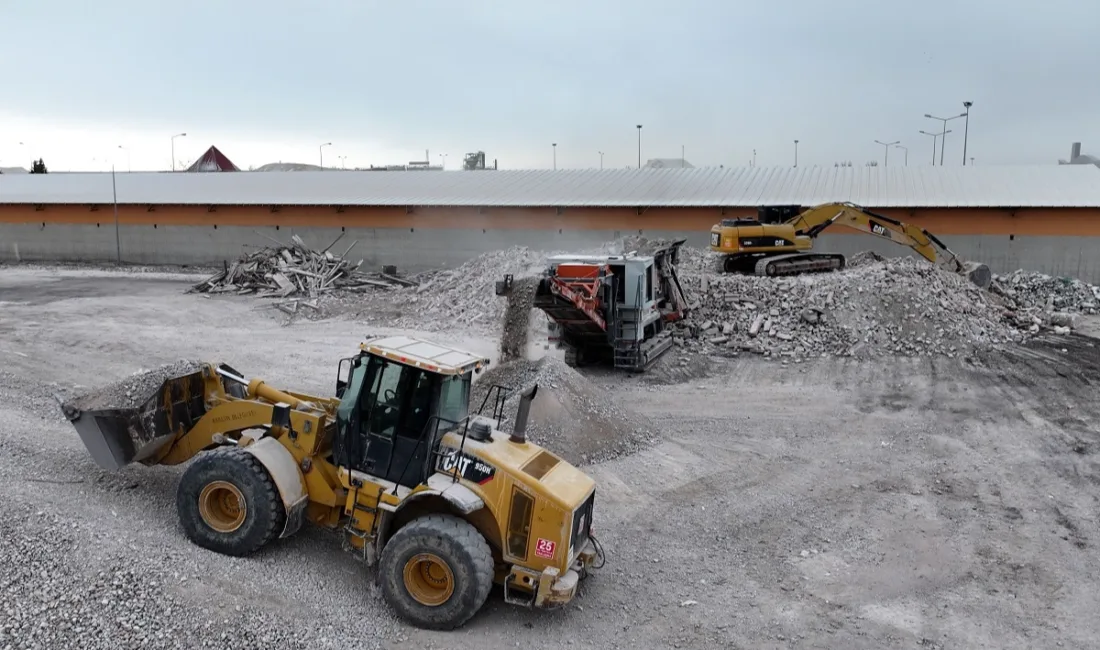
column 438, row 499
column 780, row 241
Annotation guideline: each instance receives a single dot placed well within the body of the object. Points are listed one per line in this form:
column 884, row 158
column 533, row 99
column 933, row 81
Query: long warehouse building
column 1044, row 218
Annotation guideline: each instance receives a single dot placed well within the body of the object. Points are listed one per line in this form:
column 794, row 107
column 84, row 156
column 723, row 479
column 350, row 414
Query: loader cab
column 399, row 397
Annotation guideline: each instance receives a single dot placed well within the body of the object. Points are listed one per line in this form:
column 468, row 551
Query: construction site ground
column 837, row 503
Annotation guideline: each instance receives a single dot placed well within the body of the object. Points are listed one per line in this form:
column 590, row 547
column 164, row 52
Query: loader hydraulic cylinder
column 261, row 390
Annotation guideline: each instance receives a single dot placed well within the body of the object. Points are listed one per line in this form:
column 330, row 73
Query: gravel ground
column 917, row 502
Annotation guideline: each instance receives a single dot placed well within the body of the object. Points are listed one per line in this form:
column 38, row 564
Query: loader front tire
column 436, row 572
column 228, row 503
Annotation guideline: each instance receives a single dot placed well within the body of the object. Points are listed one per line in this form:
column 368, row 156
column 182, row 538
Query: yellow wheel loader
column 780, row 241
column 441, row 501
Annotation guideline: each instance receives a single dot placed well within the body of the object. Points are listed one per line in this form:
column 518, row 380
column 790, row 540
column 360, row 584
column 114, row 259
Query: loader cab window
column 395, row 408
column 454, row 400
column 381, row 406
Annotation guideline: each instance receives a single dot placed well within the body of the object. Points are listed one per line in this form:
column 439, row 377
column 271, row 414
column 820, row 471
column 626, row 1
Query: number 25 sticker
column 545, row 548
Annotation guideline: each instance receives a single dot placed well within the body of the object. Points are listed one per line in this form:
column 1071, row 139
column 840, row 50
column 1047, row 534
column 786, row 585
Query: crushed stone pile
column 571, row 415
column 895, row 306
column 132, row 391
column 466, row 295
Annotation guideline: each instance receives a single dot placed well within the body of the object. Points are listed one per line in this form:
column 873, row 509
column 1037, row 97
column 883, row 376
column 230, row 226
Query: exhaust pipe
column 519, row 433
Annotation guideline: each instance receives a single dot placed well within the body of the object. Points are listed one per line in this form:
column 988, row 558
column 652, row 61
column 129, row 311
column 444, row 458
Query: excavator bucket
column 117, row 435
column 977, row 273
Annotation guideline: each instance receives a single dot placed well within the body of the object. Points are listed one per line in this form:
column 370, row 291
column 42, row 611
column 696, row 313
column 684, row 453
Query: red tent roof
column 213, row 161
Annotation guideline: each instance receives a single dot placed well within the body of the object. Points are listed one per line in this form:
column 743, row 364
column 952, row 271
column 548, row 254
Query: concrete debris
column 899, row 306
column 1038, row 292
column 132, row 391
column 296, row 270
column 571, row 414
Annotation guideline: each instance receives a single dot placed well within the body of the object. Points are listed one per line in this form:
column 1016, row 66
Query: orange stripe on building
column 1083, row 222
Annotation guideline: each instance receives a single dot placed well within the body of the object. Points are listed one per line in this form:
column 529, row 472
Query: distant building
column 13, row 170
column 668, row 163
column 213, row 161
column 1076, row 158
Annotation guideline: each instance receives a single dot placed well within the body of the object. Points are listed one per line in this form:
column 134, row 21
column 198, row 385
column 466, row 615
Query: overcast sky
column 271, row 80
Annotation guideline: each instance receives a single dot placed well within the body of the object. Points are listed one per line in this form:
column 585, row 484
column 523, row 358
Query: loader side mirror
column 343, row 375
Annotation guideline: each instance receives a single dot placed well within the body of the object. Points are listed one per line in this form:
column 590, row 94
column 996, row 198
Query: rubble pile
column 571, row 415
column 896, row 306
column 1027, row 290
column 297, row 274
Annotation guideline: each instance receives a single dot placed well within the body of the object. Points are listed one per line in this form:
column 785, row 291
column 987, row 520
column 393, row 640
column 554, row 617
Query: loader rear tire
column 436, row 572
column 228, row 503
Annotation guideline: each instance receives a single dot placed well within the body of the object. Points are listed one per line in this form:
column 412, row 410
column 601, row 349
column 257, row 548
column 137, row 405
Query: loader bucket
column 116, row 436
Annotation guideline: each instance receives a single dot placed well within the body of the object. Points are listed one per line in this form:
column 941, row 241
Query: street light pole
column 178, row 135
column 796, row 153
column 887, row 145
column 899, row 146
column 555, row 146
column 321, row 152
column 966, row 131
column 945, row 120
column 934, row 136
column 639, row 146
column 601, row 159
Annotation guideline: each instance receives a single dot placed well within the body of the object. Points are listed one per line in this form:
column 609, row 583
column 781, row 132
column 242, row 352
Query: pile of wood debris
column 296, row 275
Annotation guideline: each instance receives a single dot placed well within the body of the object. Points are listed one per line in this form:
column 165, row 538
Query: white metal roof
column 981, row 186
column 425, row 354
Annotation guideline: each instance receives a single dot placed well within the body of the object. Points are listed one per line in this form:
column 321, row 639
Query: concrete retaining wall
column 416, row 250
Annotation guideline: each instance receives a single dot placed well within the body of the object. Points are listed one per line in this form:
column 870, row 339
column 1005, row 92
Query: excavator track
column 798, row 263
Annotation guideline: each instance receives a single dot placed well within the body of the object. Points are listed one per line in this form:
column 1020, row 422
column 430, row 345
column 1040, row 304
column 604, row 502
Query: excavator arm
column 815, row 220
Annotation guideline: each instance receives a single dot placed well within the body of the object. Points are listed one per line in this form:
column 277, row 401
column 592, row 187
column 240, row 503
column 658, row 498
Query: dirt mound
column 134, row 390
column 570, row 415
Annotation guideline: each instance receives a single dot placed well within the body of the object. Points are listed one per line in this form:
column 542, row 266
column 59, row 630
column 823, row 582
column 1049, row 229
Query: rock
column 757, row 323
column 1063, row 319
column 812, row 315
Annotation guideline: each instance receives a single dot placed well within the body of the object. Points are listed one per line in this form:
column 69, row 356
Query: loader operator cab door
column 384, row 417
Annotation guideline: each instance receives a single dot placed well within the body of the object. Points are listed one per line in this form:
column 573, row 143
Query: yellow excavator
column 441, row 501
column 779, row 241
